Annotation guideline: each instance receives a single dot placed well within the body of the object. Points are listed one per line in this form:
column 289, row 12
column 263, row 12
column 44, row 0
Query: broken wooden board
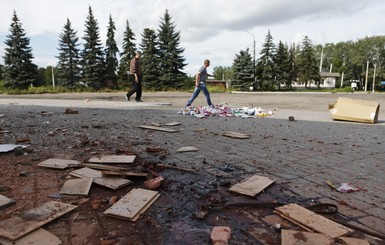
column 98, row 178
column 163, row 129
column 127, row 174
column 236, row 135
column 117, row 159
column 79, row 187
column 6, row 202
column 311, row 221
column 134, row 203
column 59, row 163
column 18, row 226
column 291, row 237
column 187, row 149
column 252, row 185
column 173, row 124
column 38, row 237
column 103, row 167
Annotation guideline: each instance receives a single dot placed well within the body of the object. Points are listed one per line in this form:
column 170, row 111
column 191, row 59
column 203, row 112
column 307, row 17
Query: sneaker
column 127, row 98
column 138, row 101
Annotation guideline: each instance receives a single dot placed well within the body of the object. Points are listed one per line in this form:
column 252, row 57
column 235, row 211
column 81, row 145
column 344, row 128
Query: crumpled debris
column 347, row 187
column 224, row 110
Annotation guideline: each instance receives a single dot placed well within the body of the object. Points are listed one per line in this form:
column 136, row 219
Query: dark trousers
column 136, row 88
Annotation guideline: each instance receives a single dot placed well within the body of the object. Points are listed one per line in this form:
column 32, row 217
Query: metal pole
column 253, row 54
column 53, row 77
column 374, row 77
column 322, row 56
column 366, row 77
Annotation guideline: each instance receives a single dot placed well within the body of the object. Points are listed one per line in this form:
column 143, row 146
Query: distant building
column 328, row 80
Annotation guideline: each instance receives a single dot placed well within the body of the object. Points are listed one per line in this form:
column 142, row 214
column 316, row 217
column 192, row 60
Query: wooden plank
column 38, row 237
column 103, row 167
column 163, row 129
column 173, row 124
column 130, row 206
column 353, row 241
column 59, row 163
column 291, row 237
column 128, row 174
column 252, row 185
column 77, row 186
column 98, row 178
column 117, row 159
column 6, row 202
column 312, row 220
column 18, row 226
column 236, row 135
column 187, row 149
column 144, row 209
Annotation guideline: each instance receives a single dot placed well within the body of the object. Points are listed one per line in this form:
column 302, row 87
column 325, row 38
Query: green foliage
column 243, row 71
column 265, row 64
column 282, row 65
column 111, row 56
column 127, row 54
column 223, row 73
column 307, row 63
column 19, row 71
column 150, row 60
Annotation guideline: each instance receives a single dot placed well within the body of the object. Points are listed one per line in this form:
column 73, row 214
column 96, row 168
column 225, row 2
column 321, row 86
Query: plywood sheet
column 18, row 226
column 312, row 221
column 37, row 237
column 163, row 129
column 291, row 237
column 118, row 159
column 252, row 185
column 236, row 135
column 187, row 149
column 5, row 201
column 132, row 204
column 59, row 163
column 77, row 186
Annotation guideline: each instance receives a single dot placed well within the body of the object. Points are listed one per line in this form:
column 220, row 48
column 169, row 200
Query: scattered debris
column 18, row 226
column 199, row 129
column 175, row 167
column 77, row 186
column 10, row 147
column 71, row 111
column 163, row 129
column 125, row 173
column 236, row 135
column 173, row 124
column 252, row 185
column 154, row 183
column 347, row 187
column 220, row 235
column 291, row 119
column 153, row 149
column 118, row 159
column 6, row 202
column 134, row 203
column 96, row 203
column 59, row 163
column 156, row 124
column 21, row 140
column 103, row 167
column 311, row 221
column 187, row 149
column 39, row 236
column 224, row 110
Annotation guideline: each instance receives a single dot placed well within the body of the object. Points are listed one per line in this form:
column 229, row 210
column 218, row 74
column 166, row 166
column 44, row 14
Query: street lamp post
column 253, row 54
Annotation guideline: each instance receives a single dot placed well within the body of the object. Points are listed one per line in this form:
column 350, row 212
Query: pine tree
column 127, row 54
column 150, row 59
column 19, row 71
column 265, row 66
column 243, row 70
column 68, row 68
column 293, row 69
column 308, row 70
column 171, row 59
column 282, row 65
column 93, row 57
column 111, row 55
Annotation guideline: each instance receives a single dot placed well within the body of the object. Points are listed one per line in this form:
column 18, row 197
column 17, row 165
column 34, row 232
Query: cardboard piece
column 252, row 185
column 117, row 159
column 6, row 202
column 291, row 237
column 354, row 110
column 311, row 221
column 134, row 203
column 236, row 135
column 18, row 226
column 77, row 186
column 38, row 237
column 98, row 178
column 59, row 163
column 163, row 129
column 187, row 149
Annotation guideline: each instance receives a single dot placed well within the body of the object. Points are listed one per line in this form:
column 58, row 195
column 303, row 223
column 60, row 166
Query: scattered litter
column 163, row 129
column 10, row 147
column 134, row 203
column 118, row 159
column 224, row 110
column 39, row 236
column 96, row 203
column 76, row 186
column 46, row 113
column 154, row 183
column 21, row 140
column 187, row 149
column 18, row 226
column 6, row 202
column 153, row 149
column 220, row 235
column 291, row 119
column 236, row 135
column 71, row 111
column 347, row 187
column 59, row 163
column 252, row 185
column 173, row 124
column 291, row 237
column 311, row 221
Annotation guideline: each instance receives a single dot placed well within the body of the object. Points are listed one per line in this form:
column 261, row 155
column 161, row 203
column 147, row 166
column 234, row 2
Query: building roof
column 329, row 74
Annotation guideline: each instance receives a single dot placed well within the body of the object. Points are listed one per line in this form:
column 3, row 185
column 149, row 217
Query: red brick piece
column 220, row 235
column 154, row 183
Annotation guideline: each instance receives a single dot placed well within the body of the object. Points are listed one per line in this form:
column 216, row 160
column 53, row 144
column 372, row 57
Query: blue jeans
column 201, row 86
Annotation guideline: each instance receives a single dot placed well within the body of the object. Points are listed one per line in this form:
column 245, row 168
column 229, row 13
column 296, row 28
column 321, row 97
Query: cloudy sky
column 213, row 29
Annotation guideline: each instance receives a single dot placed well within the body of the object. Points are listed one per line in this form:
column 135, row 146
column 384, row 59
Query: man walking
column 200, row 84
column 135, row 77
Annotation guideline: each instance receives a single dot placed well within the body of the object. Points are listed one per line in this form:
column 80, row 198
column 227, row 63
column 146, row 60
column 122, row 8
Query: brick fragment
column 220, row 235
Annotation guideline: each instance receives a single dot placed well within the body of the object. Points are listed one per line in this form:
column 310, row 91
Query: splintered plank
column 133, row 204
column 118, row 159
column 290, row 237
column 98, row 178
column 103, row 167
column 252, row 185
column 77, row 186
column 59, row 163
column 236, row 135
column 38, row 237
column 312, row 221
column 5, row 201
column 18, row 226
column 173, row 124
column 187, row 149
column 163, row 129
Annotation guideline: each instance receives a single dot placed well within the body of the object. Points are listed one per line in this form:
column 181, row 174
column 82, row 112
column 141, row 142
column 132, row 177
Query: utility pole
column 253, row 55
column 366, row 76
column 322, row 57
column 374, row 78
column 53, row 77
